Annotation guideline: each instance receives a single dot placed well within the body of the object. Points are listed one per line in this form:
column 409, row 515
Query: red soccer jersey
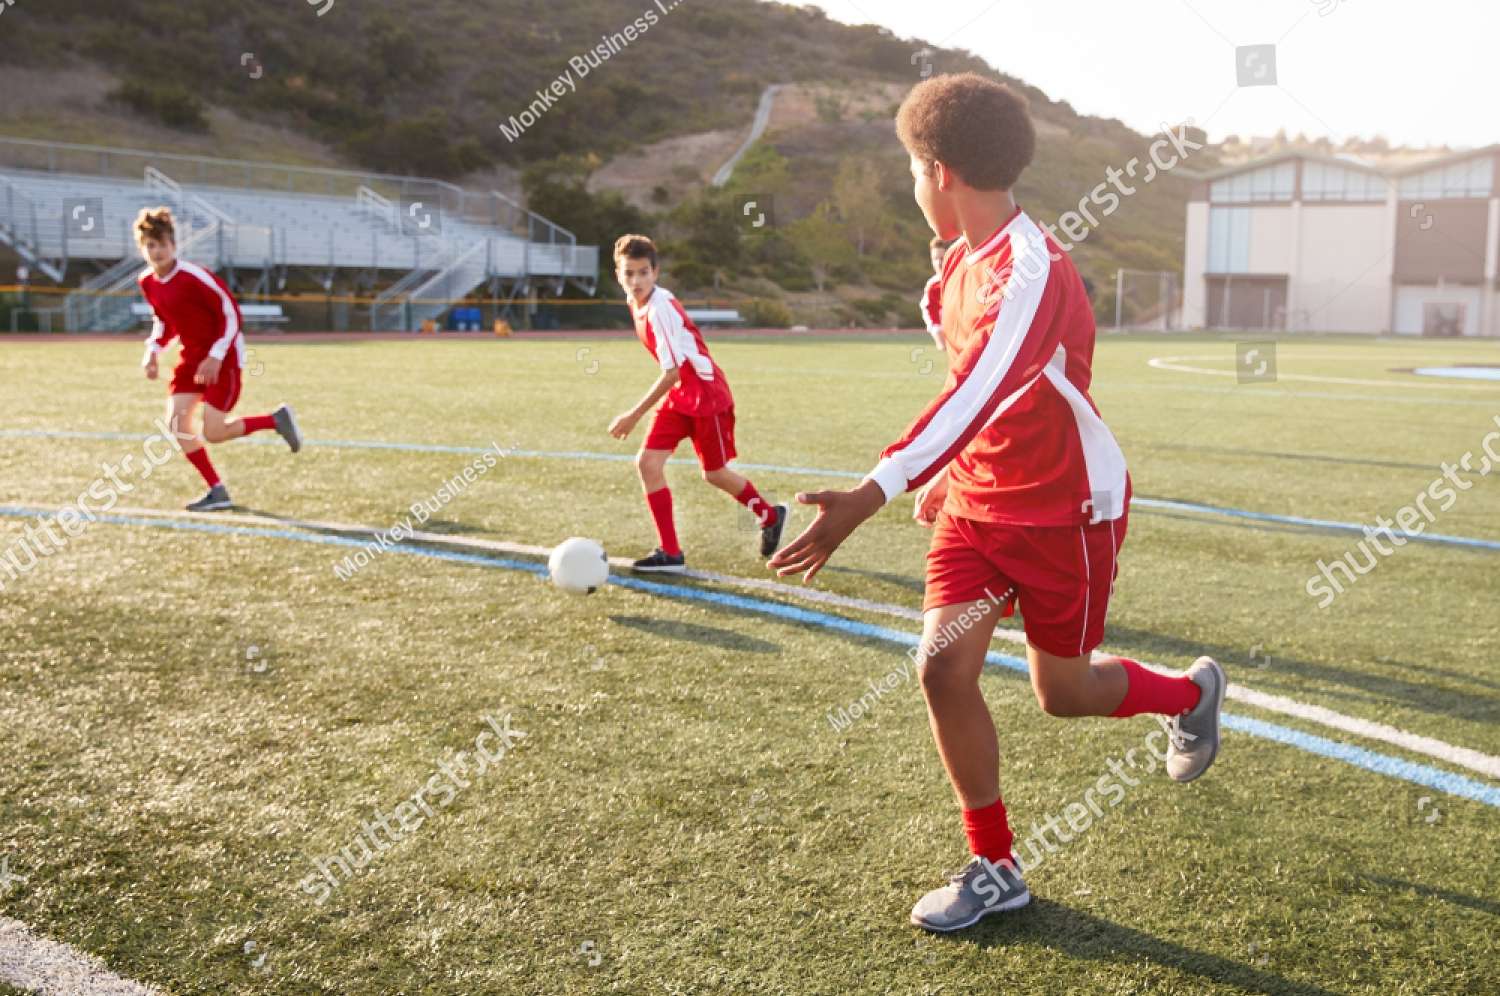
column 194, row 306
column 664, row 328
column 1014, row 424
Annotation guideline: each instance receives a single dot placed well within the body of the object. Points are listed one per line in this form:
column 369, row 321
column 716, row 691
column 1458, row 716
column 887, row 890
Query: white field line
column 34, row 963
column 1464, row 757
column 1173, row 363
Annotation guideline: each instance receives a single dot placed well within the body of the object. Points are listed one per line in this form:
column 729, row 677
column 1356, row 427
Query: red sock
column 661, row 510
column 751, row 499
column 258, row 423
column 199, row 458
column 1149, row 691
column 989, row 832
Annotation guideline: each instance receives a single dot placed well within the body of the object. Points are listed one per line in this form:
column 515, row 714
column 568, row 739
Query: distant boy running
column 1024, row 485
column 194, row 306
column 695, row 404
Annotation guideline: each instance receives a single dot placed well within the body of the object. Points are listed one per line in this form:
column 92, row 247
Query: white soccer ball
column 578, row 566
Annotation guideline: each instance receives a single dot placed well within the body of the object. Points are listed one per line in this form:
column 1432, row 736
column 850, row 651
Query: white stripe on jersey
column 231, row 324
column 958, row 417
column 1102, row 456
column 672, row 332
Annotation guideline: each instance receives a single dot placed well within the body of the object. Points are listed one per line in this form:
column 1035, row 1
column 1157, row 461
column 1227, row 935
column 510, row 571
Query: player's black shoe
column 216, row 500
column 660, row 563
column 770, row 536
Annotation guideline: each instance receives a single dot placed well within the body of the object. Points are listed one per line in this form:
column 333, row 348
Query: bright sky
column 1419, row 74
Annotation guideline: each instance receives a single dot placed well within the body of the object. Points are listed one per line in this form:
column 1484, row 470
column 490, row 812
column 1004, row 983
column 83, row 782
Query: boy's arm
column 997, row 367
column 667, row 324
column 158, row 339
column 625, row 422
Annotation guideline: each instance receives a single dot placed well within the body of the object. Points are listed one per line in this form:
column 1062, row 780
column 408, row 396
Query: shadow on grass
column 885, row 577
column 711, row 636
column 1456, row 898
column 1385, row 688
column 449, row 526
column 1086, row 937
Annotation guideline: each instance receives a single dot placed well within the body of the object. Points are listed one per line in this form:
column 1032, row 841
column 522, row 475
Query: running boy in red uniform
column 1023, row 484
column 194, row 306
column 695, row 404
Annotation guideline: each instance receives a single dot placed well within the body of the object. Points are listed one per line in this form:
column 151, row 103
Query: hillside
column 402, row 87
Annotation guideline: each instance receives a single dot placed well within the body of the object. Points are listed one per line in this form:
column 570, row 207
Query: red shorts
column 1062, row 576
column 712, row 435
column 222, row 394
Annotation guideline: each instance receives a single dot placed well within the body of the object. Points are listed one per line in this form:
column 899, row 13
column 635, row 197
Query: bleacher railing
column 488, row 207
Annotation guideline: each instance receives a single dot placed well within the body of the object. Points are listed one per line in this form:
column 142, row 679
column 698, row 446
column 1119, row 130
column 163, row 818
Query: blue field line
column 1163, row 504
column 1382, row 764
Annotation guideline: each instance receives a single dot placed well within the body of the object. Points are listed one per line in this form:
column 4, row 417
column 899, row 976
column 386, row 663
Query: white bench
column 715, row 316
column 253, row 314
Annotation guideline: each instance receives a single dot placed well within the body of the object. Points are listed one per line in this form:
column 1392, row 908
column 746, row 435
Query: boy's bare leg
column 1075, row 686
column 960, row 720
column 651, row 465
column 180, row 409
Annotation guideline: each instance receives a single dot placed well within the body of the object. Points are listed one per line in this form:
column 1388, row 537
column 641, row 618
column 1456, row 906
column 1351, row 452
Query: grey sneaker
column 982, row 888
column 286, row 427
column 1193, row 737
column 216, row 500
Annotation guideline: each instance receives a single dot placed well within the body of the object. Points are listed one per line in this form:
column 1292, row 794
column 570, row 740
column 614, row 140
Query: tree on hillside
column 859, row 197
column 823, row 239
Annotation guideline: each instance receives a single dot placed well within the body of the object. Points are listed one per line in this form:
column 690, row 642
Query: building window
column 1229, row 240
column 1269, row 183
column 1469, row 178
column 1326, row 182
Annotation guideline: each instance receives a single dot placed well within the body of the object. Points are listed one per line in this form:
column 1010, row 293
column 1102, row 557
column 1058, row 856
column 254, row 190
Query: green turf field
column 193, row 719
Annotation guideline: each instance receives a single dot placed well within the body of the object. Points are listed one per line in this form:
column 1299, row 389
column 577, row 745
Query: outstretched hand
column 839, row 514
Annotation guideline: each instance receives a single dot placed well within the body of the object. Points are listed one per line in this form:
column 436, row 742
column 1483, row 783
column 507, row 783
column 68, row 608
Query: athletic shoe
column 660, row 563
column 216, row 500
column 1194, row 736
column 982, row 888
column 286, row 426
column 770, row 536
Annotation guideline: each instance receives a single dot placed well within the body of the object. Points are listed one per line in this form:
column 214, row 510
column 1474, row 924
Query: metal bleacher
column 427, row 242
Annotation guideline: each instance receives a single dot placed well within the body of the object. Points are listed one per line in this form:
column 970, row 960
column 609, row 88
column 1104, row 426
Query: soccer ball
column 578, row 566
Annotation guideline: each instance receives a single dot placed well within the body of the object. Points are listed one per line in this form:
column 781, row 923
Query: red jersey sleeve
column 161, row 335
column 1016, row 336
column 932, row 309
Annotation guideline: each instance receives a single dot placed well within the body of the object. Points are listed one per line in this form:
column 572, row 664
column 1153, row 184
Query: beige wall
column 1343, row 281
column 1272, row 239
